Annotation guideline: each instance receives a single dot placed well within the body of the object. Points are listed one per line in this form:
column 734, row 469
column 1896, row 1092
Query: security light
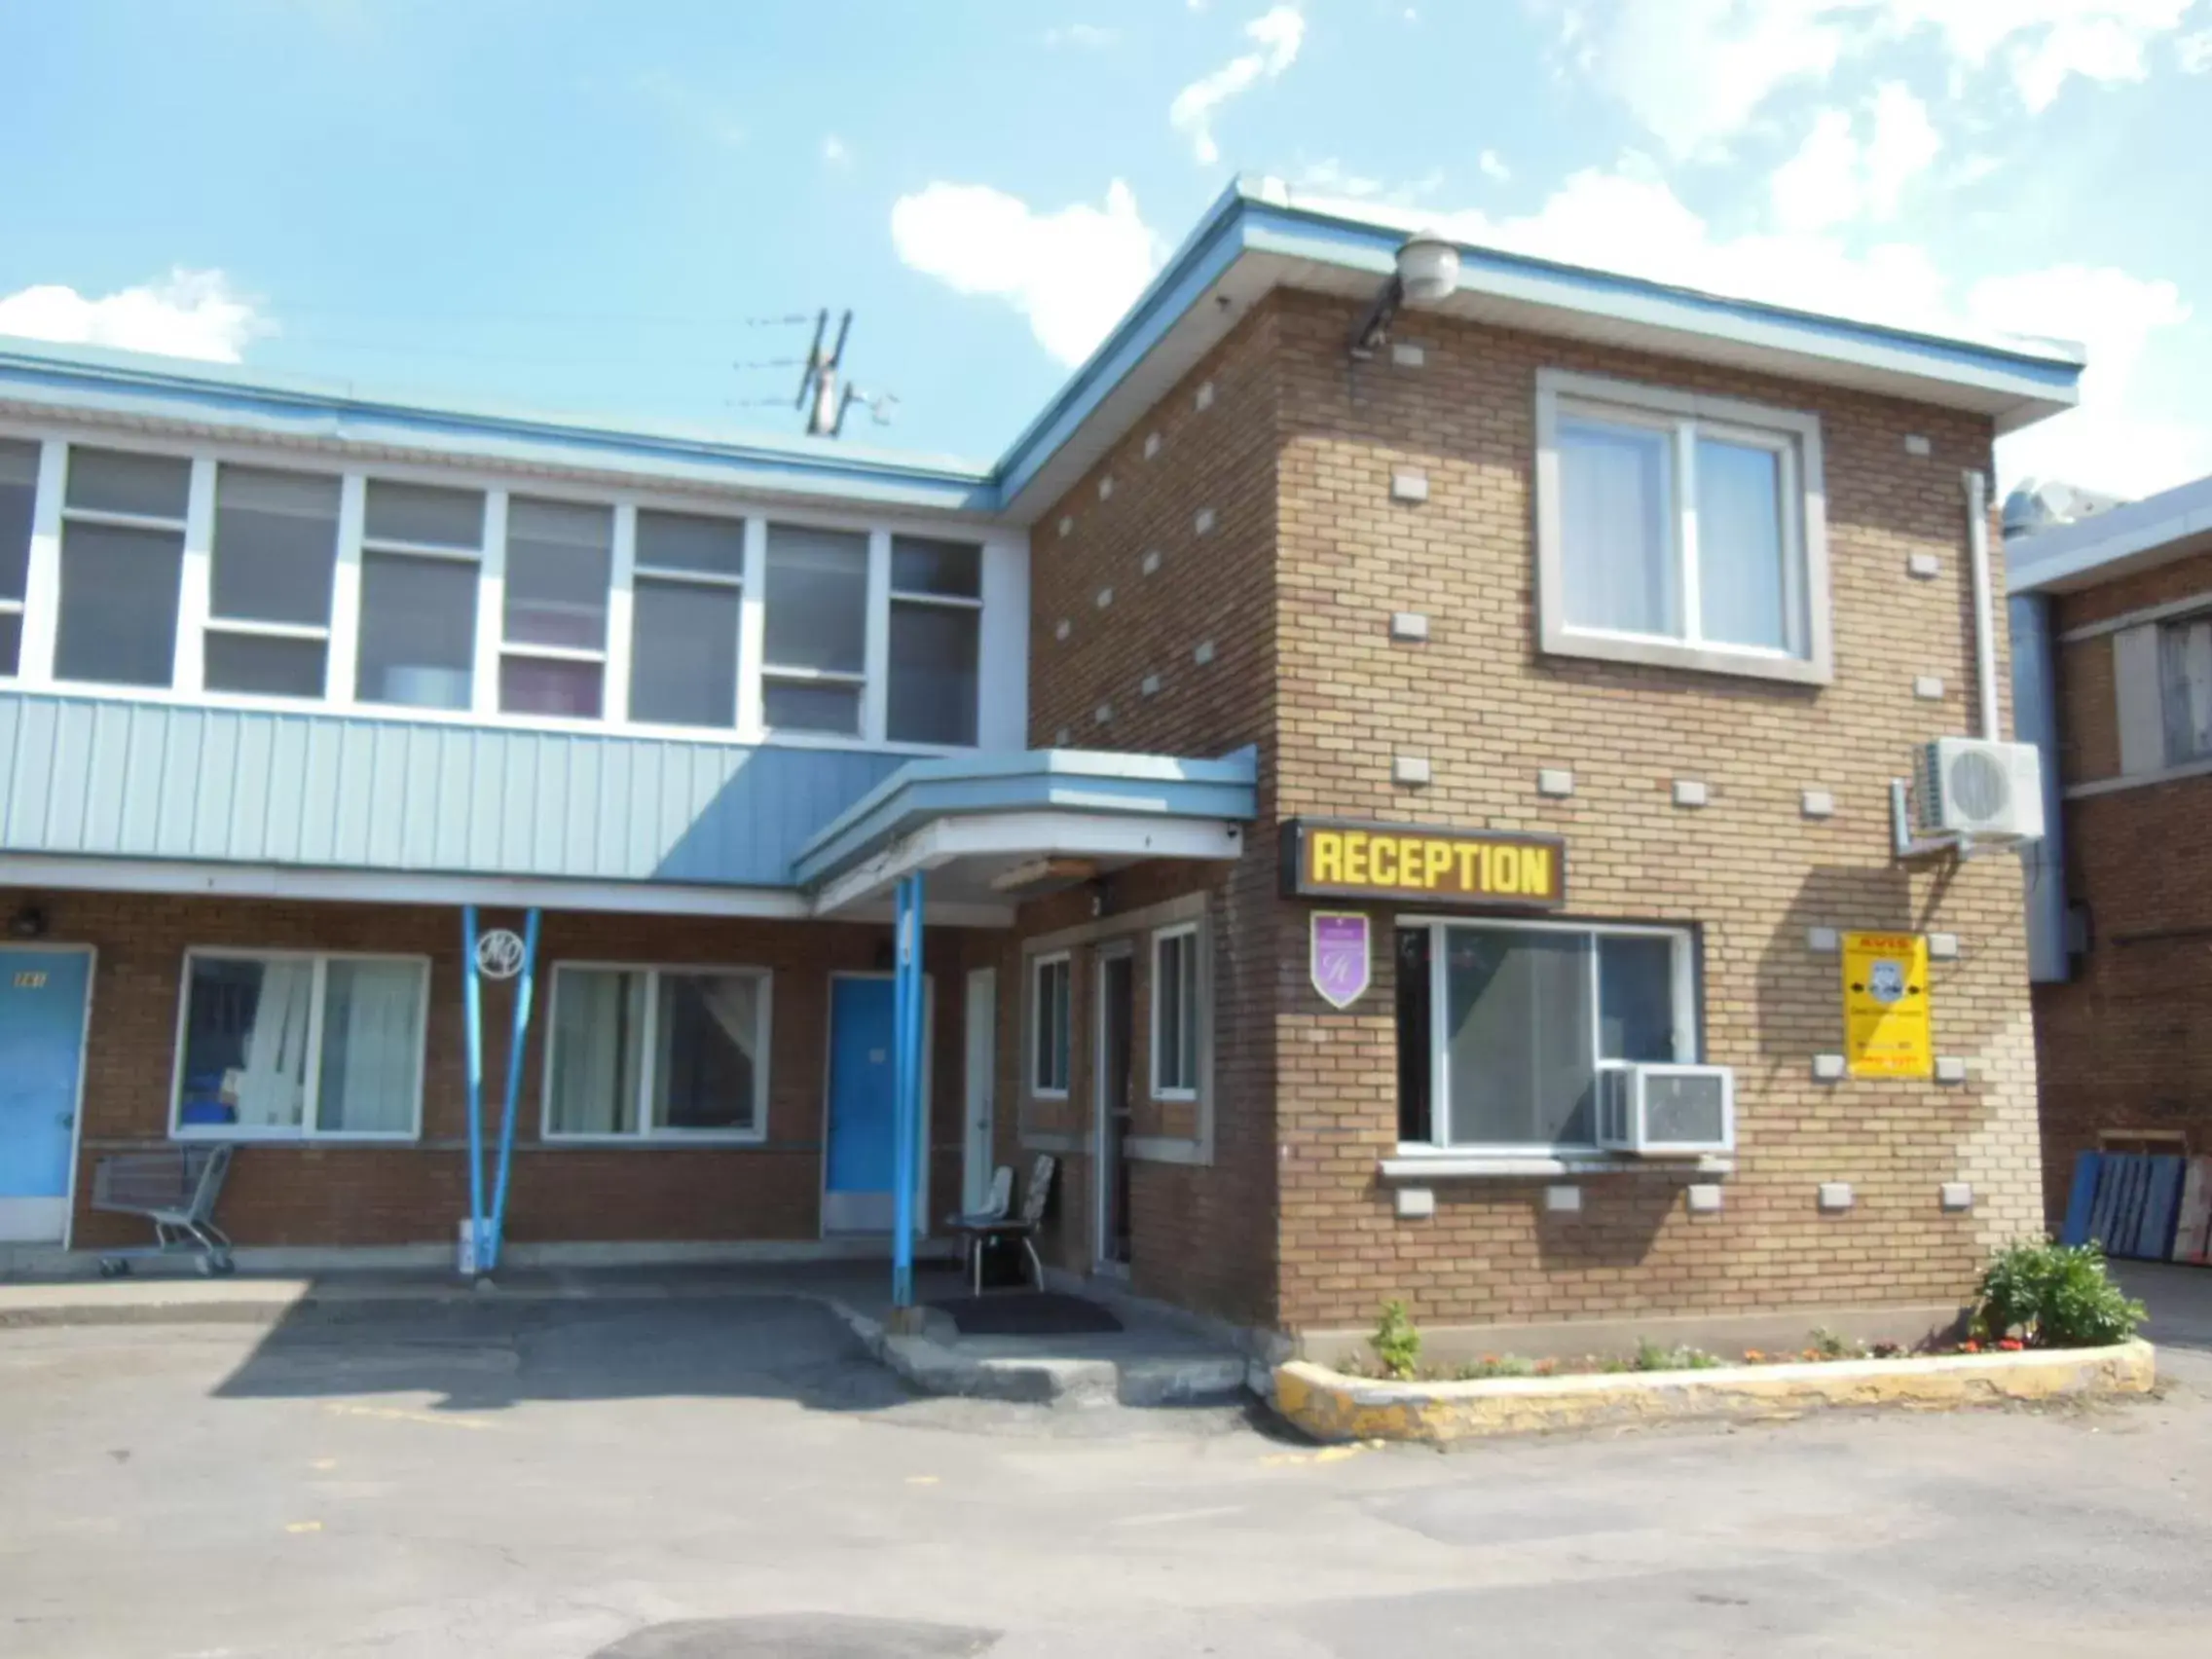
column 1427, row 272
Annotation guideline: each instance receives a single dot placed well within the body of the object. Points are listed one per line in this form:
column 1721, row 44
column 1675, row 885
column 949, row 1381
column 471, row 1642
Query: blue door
column 42, row 1040
column 856, row 1188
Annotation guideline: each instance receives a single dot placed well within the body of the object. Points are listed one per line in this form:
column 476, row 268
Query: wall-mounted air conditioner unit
column 1667, row 1111
column 1978, row 789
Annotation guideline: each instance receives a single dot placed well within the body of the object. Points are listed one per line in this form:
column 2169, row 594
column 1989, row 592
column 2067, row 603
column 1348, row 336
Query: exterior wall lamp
column 1429, row 272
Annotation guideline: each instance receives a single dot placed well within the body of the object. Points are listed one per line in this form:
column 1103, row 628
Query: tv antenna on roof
column 824, row 393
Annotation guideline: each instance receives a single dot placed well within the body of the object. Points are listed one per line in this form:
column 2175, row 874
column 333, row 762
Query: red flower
column 2012, row 1345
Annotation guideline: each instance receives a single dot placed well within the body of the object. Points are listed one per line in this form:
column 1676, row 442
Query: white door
column 982, row 1070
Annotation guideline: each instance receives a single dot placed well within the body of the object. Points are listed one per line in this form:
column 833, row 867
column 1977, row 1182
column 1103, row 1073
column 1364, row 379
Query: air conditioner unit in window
column 1667, row 1111
column 1979, row 790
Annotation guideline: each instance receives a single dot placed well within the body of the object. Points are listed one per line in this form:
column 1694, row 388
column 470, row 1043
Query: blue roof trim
column 2029, row 372
column 1068, row 780
column 2051, row 558
column 1247, row 218
column 124, row 383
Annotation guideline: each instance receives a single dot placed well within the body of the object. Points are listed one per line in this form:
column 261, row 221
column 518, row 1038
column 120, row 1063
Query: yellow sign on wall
column 1885, row 1006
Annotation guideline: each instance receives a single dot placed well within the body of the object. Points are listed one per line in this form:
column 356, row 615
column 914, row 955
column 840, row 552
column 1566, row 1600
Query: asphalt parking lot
column 728, row 1479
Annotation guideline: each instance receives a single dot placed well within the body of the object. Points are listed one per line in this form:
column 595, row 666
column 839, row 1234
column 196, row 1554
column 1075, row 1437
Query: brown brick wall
column 2125, row 1045
column 347, row 1194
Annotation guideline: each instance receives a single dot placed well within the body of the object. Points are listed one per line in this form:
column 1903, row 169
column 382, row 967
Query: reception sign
column 1332, row 859
column 1885, row 1006
column 1341, row 956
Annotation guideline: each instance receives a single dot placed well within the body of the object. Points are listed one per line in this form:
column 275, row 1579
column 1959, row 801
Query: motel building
column 1388, row 782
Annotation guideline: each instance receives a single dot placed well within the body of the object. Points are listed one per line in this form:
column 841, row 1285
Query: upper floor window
column 18, row 501
column 816, row 665
column 2185, row 684
column 270, row 582
column 188, row 575
column 122, row 563
column 1679, row 530
column 422, row 547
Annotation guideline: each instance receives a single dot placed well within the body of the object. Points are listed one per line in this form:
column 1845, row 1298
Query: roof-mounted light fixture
column 1429, row 272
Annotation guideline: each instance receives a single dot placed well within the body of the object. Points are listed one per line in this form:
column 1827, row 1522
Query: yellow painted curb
column 1333, row 1406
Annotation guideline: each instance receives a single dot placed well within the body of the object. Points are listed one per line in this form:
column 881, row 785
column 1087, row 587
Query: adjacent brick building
column 1585, row 621
column 2119, row 606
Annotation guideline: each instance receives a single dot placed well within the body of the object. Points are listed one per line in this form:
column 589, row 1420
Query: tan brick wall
column 1312, row 1092
column 347, row 1194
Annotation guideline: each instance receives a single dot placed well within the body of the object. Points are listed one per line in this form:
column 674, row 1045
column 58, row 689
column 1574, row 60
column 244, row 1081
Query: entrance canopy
column 990, row 830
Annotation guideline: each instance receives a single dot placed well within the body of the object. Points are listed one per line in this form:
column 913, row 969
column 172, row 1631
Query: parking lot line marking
column 1326, row 1455
column 1168, row 1517
column 393, row 1414
column 303, row 1526
column 324, row 1464
column 922, row 1480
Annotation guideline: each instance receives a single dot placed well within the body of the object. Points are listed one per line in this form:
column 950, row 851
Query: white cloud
column 188, row 313
column 1330, row 177
column 835, row 151
column 1695, row 72
column 2117, row 440
column 1276, row 36
column 1494, row 166
column 1085, row 37
column 2195, row 52
column 1834, row 178
column 1071, row 273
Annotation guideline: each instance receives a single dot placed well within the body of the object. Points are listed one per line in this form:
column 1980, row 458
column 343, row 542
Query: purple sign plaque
column 1339, row 957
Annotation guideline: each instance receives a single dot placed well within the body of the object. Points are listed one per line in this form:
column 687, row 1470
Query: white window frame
column 20, row 608
column 529, row 651
column 942, row 602
column 311, row 1097
column 202, row 585
column 1002, row 669
column 51, row 523
column 646, row 1133
column 1793, row 434
column 1688, row 1022
column 1032, row 1004
column 632, row 569
column 1195, row 1011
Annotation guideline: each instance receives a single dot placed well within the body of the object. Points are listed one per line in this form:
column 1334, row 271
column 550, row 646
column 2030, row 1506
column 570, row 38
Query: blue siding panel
column 108, row 777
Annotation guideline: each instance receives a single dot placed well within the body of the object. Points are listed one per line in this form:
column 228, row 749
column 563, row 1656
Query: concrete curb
column 1332, row 1406
column 935, row 1368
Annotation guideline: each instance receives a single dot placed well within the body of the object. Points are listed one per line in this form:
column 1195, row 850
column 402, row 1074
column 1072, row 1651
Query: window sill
column 224, row 1135
column 649, row 1143
column 1455, row 1166
column 1654, row 652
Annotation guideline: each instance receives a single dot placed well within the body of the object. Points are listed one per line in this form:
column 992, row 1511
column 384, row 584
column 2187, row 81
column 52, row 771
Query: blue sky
column 578, row 205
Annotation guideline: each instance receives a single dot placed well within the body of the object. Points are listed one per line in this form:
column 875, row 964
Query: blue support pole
column 517, row 1043
column 472, row 998
column 907, row 1003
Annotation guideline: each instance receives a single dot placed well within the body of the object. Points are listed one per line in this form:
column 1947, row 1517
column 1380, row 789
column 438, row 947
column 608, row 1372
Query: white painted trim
column 875, row 665
column 2140, row 780
column 195, row 577
column 491, row 608
column 753, row 631
column 1189, row 907
column 41, row 576
column 1193, row 974
column 68, row 1200
column 1050, row 833
column 1423, row 1164
column 1689, row 412
column 308, row 1132
column 344, row 665
column 646, row 1134
column 1002, row 668
column 979, row 1086
column 621, row 597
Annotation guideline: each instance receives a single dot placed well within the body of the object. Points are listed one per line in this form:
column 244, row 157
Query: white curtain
column 371, row 1041
column 596, row 1050
column 1743, row 596
column 2184, row 651
column 271, row 1088
column 1616, row 527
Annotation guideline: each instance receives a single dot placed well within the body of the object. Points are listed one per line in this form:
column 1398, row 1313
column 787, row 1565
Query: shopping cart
column 176, row 1190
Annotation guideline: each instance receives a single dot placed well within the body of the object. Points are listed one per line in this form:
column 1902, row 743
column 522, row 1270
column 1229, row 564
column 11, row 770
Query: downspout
column 2035, row 720
column 1985, row 612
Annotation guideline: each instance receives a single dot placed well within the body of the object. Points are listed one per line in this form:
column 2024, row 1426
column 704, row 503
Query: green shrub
column 1397, row 1342
column 2055, row 1296
column 1657, row 1356
column 1496, row 1365
column 1833, row 1345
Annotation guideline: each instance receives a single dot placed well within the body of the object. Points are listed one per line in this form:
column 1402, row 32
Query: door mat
column 1027, row 1313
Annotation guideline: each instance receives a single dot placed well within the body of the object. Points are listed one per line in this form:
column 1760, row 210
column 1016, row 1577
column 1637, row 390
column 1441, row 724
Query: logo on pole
column 498, row 954
column 1341, row 960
